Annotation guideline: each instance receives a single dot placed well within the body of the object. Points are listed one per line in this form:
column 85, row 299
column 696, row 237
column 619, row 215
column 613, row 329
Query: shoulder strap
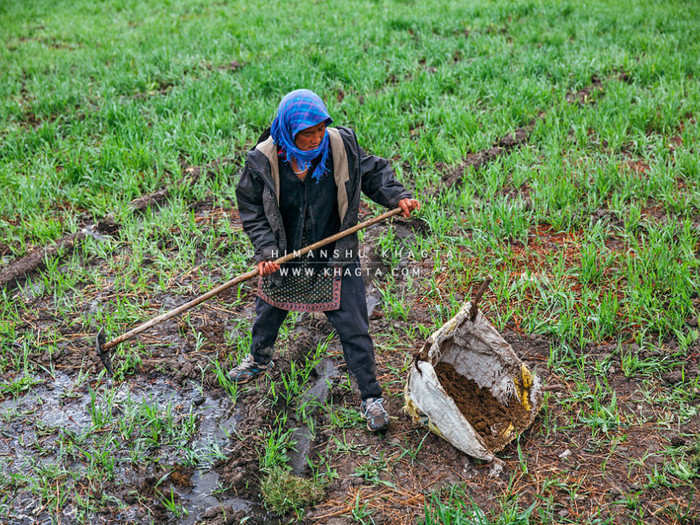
column 268, row 148
column 341, row 173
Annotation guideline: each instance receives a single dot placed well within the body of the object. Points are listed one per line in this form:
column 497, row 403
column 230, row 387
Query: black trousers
column 350, row 322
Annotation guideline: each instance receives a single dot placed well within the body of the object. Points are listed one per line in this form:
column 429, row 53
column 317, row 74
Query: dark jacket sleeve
column 379, row 182
column 249, row 194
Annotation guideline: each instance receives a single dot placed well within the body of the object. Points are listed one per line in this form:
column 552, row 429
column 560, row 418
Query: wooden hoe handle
column 243, row 277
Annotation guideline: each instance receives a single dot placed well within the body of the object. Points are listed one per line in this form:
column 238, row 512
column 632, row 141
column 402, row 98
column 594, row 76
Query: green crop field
column 553, row 146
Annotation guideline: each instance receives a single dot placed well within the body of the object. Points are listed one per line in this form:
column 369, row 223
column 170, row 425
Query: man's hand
column 408, row 205
column 267, row 267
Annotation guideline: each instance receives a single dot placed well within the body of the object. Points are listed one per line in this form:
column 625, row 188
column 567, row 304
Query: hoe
column 467, row 384
column 103, row 347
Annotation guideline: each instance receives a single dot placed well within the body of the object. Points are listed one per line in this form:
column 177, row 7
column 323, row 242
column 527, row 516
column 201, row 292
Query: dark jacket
column 261, row 217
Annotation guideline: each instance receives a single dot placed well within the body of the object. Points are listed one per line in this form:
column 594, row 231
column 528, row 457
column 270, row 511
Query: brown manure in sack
column 489, row 418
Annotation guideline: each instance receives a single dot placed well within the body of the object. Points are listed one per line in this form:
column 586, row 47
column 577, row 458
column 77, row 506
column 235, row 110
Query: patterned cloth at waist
column 302, row 285
column 309, row 211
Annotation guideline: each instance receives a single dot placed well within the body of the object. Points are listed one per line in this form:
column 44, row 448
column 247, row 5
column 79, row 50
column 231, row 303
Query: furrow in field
column 452, row 177
column 19, row 269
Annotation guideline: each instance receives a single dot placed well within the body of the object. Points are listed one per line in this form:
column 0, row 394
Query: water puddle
column 201, row 502
column 201, row 497
column 326, row 372
column 373, row 300
column 33, row 425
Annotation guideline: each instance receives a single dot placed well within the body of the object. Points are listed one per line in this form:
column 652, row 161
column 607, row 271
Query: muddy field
column 204, row 445
column 553, row 147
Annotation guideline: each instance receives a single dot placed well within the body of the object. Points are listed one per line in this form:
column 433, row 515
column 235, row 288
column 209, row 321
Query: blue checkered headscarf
column 299, row 110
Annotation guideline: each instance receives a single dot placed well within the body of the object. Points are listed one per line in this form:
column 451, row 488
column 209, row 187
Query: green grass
column 284, row 492
column 589, row 229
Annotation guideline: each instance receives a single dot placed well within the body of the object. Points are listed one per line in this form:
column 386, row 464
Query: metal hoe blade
column 104, row 354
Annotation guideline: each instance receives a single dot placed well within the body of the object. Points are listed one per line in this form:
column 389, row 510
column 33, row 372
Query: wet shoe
column 373, row 411
column 248, row 370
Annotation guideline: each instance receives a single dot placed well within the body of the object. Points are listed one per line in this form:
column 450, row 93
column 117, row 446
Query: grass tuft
column 283, row 492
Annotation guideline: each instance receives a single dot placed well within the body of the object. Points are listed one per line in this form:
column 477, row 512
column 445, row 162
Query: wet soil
column 585, row 94
column 18, row 269
column 151, row 200
column 326, row 373
column 483, row 411
column 231, row 66
column 414, row 462
column 161, row 87
column 40, row 419
column 195, row 172
column 229, row 490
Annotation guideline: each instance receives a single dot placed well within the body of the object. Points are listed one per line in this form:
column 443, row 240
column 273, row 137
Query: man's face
column 310, row 138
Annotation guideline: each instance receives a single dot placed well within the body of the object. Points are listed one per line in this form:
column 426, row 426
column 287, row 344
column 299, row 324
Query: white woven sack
column 477, row 351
